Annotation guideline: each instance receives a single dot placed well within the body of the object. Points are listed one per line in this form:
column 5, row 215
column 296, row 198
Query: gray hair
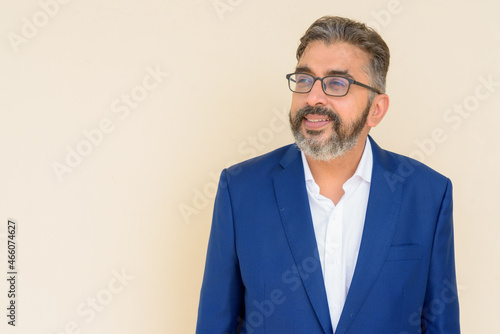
column 331, row 29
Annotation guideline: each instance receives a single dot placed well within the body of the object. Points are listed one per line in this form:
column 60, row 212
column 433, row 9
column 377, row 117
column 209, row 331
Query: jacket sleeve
column 440, row 314
column 221, row 299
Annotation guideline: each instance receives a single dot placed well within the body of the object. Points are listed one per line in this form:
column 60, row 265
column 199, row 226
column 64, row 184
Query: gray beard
column 342, row 140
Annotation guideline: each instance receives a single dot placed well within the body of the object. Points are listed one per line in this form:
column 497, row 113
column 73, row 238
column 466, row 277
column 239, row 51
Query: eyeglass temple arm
column 363, row 85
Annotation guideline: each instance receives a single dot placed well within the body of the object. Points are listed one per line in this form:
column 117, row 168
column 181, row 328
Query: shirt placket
column 333, row 263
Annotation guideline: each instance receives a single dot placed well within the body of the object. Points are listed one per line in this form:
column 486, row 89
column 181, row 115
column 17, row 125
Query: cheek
column 348, row 110
column 296, row 102
column 295, row 106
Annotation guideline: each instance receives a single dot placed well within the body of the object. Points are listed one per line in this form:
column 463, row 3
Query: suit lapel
column 381, row 214
column 296, row 218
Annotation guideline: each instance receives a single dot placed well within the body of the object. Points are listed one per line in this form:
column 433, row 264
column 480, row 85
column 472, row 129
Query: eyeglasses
column 333, row 85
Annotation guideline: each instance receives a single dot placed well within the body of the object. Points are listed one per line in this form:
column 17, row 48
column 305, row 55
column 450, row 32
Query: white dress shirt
column 338, row 229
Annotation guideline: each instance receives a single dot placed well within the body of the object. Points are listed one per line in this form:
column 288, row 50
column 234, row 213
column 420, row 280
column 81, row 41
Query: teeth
column 317, row 120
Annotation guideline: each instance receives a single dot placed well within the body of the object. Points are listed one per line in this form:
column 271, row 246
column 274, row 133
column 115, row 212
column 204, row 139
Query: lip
column 316, row 122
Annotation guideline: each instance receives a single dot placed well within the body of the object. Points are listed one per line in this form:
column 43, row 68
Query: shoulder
column 264, row 165
column 266, row 161
column 397, row 168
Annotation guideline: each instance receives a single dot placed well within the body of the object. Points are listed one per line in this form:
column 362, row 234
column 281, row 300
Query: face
column 326, row 127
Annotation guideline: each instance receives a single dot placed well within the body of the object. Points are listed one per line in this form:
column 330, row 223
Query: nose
column 317, row 96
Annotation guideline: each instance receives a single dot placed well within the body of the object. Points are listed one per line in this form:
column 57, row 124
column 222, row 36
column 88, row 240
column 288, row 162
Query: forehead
column 321, row 59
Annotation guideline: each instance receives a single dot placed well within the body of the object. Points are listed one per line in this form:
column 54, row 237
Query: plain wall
column 114, row 240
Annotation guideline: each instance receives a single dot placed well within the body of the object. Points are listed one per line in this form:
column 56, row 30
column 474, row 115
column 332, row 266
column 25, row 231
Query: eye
column 336, row 84
column 303, row 79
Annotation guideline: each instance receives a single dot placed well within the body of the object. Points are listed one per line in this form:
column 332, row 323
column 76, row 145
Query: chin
column 316, row 134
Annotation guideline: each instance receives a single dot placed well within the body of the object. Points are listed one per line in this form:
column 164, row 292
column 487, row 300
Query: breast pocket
column 404, row 252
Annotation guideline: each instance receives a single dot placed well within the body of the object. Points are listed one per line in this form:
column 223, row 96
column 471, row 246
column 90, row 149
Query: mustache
column 317, row 110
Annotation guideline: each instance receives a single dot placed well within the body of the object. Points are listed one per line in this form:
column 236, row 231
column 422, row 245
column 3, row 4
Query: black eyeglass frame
column 351, row 82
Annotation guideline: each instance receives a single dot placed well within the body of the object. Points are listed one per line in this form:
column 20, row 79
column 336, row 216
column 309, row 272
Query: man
column 332, row 234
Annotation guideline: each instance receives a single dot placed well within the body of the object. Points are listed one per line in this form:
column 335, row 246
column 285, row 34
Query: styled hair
column 332, row 29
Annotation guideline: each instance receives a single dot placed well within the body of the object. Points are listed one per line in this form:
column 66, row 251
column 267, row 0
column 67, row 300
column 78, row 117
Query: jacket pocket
column 404, row 252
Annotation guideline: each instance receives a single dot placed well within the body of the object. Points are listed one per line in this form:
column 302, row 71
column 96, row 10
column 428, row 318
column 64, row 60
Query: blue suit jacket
column 263, row 273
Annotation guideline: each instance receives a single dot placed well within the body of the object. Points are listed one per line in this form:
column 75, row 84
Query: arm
column 440, row 313
column 221, row 299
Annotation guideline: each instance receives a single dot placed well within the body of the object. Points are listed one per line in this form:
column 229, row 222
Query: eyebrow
column 306, row 69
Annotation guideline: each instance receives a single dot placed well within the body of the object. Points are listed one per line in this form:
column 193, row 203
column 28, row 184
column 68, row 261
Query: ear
column 378, row 110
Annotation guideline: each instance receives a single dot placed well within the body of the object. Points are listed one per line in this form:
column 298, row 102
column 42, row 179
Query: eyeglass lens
column 332, row 85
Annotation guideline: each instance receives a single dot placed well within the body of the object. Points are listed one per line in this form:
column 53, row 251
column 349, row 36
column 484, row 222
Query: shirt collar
column 365, row 165
column 363, row 171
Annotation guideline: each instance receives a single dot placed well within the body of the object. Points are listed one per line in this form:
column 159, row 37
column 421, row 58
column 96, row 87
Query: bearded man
column 332, row 234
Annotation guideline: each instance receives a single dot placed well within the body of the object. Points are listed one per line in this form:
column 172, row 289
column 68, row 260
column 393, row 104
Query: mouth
column 316, row 122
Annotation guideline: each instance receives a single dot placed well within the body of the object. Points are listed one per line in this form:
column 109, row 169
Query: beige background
column 139, row 203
